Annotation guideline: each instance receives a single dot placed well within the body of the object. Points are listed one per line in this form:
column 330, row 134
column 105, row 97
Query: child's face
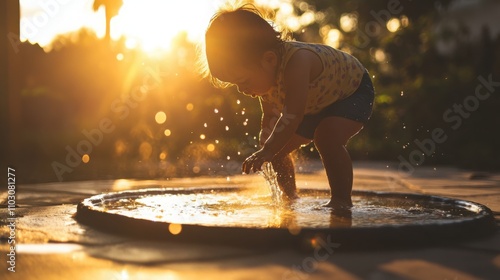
column 257, row 78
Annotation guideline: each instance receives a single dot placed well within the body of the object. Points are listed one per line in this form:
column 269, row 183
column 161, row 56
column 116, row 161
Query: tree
column 111, row 8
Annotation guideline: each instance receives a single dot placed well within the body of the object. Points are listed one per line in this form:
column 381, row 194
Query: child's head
column 237, row 38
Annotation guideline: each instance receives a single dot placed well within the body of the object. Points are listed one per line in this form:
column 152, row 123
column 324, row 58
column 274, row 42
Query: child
column 308, row 92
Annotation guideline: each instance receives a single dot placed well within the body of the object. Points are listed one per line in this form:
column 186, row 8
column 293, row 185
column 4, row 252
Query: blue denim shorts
column 357, row 107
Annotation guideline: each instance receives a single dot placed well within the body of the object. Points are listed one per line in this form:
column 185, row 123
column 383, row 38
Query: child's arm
column 297, row 77
column 270, row 116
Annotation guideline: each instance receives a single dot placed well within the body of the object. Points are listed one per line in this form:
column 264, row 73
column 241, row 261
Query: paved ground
column 52, row 245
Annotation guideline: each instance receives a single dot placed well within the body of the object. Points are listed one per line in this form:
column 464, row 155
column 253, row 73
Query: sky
column 42, row 20
column 148, row 23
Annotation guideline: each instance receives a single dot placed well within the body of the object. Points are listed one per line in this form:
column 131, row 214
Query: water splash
column 271, row 178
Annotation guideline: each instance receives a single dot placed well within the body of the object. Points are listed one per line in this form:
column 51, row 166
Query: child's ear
column 269, row 60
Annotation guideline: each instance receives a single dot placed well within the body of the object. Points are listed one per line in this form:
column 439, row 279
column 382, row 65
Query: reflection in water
column 340, row 218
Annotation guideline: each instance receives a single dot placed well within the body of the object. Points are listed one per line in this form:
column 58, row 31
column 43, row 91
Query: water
column 239, row 207
column 270, row 176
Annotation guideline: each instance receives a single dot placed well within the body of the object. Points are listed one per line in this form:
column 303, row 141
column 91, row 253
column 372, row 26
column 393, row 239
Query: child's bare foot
column 339, row 204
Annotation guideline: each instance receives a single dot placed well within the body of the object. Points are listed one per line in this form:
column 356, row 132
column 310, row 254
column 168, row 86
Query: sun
column 152, row 24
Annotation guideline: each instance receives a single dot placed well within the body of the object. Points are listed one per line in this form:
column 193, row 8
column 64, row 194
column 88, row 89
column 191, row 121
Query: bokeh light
column 393, row 24
column 348, row 22
column 160, row 117
column 333, row 38
column 380, row 55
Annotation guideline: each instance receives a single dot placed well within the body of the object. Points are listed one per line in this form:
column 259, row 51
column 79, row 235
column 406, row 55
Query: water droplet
column 228, row 157
column 221, row 118
column 205, row 125
column 216, row 111
column 175, row 229
column 216, row 141
column 202, row 136
column 210, row 147
column 227, row 128
column 238, row 101
column 402, row 93
column 85, row 158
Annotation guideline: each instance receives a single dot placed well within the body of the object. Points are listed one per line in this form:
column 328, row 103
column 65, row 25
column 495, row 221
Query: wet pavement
column 52, row 245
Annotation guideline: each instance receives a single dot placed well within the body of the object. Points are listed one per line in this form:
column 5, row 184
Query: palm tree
column 111, row 8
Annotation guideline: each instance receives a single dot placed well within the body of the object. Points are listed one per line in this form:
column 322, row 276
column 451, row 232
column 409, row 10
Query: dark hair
column 238, row 36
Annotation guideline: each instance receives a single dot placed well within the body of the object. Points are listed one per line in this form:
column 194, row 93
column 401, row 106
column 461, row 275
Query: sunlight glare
column 153, row 24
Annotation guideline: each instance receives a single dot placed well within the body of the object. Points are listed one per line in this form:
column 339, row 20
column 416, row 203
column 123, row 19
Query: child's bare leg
column 338, row 168
column 285, row 172
column 284, row 167
column 331, row 138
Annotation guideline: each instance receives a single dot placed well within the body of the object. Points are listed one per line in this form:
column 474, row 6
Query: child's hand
column 255, row 161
